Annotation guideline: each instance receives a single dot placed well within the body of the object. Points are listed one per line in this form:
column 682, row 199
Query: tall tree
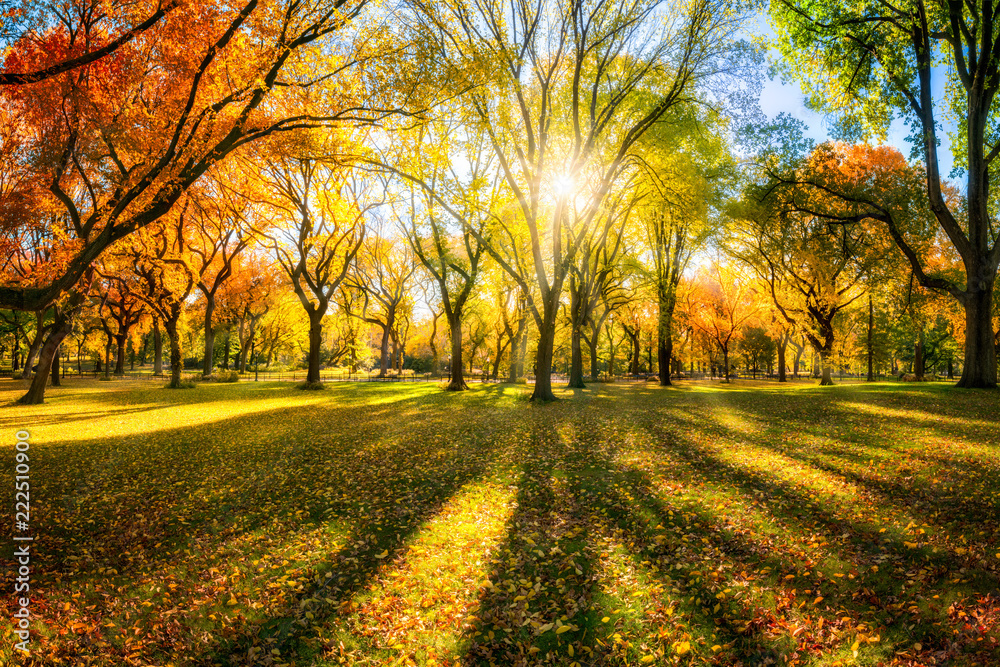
column 564, row 90
column 323, row 207
column 871, row 62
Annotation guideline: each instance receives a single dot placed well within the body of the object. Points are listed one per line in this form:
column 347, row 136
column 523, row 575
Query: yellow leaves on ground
column 405, row 525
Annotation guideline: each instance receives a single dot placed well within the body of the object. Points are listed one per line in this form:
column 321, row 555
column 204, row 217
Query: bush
column 223, row 376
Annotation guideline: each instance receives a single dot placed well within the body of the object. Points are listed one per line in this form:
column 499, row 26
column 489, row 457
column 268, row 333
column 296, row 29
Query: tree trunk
column 55, row 368
column 209, row 361
column 60, row 329
column 120, row 354
column 315, row 341
column 157, row 350
column 827, row 378
column 918, row 355
column 576, row 359
column 435, row 356
column 664, row 352
column 980, row 367
column 29, row 358
column 229, row 338
column 782, row 350
column 523, row 354
column 543, row 357
column 871, row 346
column 725, row 362
column 594, row 371
column 383, row 363
column 457, row 382
column 176, row 358
column 636, row 351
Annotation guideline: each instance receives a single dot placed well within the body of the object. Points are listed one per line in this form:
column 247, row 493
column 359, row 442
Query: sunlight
column 563, row 186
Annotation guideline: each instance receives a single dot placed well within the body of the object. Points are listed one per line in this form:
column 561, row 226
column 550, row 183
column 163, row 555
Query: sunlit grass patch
column 381, row 524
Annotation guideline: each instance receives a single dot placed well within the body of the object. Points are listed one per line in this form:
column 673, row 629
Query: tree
column 323, row 207
column 61, row 41
column 380, row 277
column 870, row 62
column 120, row 140
column 757, row 347
column 683, row 167
column 813, row 268
column 564, row 90
column 164, row 277
column 445, row 223
column 719, row 304
column 218, row 239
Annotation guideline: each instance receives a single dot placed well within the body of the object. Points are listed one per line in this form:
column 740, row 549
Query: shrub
column 224, row 376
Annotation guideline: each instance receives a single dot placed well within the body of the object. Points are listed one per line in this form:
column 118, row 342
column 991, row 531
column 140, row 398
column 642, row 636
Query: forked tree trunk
column 49, row 349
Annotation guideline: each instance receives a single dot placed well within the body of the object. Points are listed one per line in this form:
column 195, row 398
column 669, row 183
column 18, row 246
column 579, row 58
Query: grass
column 384, row 524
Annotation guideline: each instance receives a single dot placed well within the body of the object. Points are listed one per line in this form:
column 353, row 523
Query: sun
column 563, row 185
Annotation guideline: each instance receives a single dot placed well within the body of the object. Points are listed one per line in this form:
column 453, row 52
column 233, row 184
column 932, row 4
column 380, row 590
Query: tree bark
column 782, row 350
column 208, row 362
column 315, row 341
column 576, row 359
column 664, row 353
column 55, row 368
column 383, row 364
column 29, row 359
column 593, row 344
column 60, row 329
column 543, row 358
column 918, row 355
column 120, row 354
column 827, row 378
column 979, row 369
column 457, row 382
column 871, row 344
column 176, row 358
column 157, row 350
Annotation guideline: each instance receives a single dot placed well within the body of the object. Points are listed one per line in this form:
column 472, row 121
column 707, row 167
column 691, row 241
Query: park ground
column 393, row 524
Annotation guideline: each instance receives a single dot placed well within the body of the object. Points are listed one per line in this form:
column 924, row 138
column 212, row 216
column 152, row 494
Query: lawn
column 750, row 524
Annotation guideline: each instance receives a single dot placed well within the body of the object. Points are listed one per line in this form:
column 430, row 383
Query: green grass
column 397, row 524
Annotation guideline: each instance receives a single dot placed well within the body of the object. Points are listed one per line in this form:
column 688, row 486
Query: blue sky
column 777, row 97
